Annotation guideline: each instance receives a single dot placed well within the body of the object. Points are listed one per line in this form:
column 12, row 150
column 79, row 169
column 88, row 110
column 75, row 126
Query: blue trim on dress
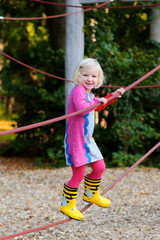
column 69, row 157
column 85, row 133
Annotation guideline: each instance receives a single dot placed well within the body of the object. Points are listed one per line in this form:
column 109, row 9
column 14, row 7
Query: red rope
column 88, row 8
column 142, row 78
column 56, row 16
column 110, row 7
column 125, row 173
column 35, row 125
column 88, row 205
column 32, row 68
column 64, row 79
column 148, row 86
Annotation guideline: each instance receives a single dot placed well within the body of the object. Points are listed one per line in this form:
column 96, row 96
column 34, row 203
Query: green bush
column 133, row 122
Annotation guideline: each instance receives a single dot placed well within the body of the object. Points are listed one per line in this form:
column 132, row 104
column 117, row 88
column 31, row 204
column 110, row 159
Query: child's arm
column 80, row 100
column 101, row 107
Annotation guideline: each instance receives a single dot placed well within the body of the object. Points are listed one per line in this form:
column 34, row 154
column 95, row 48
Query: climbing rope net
column 24, row 128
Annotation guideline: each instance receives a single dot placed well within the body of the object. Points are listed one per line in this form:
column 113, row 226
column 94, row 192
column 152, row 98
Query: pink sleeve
column 80, row 99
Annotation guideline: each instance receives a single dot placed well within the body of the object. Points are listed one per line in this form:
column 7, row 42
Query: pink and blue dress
column 80, row 147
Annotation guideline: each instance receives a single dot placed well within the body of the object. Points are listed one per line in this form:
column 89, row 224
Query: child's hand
column 120, row 91
column 103, row 100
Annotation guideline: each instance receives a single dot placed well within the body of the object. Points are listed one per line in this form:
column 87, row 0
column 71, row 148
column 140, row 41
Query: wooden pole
column 155, row 25
column 74, row 45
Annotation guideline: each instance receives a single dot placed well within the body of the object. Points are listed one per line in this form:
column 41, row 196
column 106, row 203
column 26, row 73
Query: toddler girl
column 80, row 147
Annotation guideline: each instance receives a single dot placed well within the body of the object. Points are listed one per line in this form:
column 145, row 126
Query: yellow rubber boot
column 68, row 205
column 91, row 193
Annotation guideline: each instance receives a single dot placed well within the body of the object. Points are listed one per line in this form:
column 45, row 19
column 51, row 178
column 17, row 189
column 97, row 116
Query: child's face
column 89, row 78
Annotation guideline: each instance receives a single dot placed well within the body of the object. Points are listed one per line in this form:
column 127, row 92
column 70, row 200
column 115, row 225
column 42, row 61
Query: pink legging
column 98, row 168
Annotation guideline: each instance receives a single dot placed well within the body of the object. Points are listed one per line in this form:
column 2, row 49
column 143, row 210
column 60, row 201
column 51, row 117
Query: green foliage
column 121, row 159
column 133, row 121
column 37, row 96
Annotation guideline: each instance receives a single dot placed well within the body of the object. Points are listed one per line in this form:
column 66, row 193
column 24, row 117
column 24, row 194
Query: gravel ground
column 31, row 198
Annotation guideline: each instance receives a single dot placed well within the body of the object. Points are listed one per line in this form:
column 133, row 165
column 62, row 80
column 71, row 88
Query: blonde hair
column 88, row 63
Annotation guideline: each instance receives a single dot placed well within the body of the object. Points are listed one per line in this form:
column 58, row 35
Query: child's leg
column 92, row 183
column 68, row 205
column 77, row 177
column 98, row 168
